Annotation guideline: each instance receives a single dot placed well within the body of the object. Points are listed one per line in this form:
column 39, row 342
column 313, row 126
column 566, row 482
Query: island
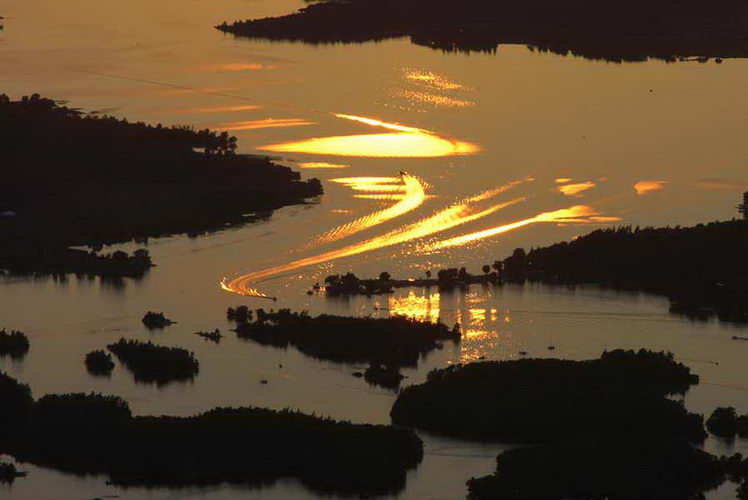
column 600, row 428
column 154, row 363
column 702, row 269
column 14, row 344
column 97, row 434
column 386, row 344
column 618, row 31
column 74, row 182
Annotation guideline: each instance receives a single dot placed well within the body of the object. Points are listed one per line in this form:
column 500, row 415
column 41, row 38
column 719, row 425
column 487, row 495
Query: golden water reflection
column 644, row 187
column 455, row 215
column 322, row 165
column 402, row 142
column 421, row 308
column 265, row 123
column 576, row 214
column 411, row 196
column 575, row 189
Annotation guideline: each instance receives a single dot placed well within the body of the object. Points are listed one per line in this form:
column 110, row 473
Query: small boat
column 551, row 347
column 735, row 337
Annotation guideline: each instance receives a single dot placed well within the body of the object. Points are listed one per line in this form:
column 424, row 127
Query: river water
column 428, row 160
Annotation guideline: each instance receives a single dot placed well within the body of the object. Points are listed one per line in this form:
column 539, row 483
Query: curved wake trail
column 413, row 196
column 577, row 213
column 448, row 218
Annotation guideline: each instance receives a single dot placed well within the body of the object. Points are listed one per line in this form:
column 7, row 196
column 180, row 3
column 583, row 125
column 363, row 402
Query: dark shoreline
column 702, row 269
column 667, row 29
column 84, row 180
column 96, row 434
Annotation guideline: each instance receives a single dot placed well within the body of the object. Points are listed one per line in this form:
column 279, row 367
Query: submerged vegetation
column 95, row 434
column 701, row 269
column 537, row 400
column 99, row 363
column 394, row 342
column 616, row 31
column 72, row 179
column 14, row 344
column 153, row 363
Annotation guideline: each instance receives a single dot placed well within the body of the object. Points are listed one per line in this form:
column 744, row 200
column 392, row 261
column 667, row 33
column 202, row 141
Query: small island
column 14, row 344
column 156, row 320
column 702, row 269
column 386, row 343
column 83, row 180
column 96, row 434
column 617, row 31
column 446, row 279
column 99, row 363
column 153, row 363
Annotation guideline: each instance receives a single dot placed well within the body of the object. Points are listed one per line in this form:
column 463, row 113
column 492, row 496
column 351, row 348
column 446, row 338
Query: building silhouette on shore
column 743, row 208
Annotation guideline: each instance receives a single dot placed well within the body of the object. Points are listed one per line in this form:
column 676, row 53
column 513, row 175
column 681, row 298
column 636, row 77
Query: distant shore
column 80, row 180
column 625, row 31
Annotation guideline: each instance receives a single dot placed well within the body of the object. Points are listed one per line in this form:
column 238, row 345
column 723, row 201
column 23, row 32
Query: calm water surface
column 516, row 148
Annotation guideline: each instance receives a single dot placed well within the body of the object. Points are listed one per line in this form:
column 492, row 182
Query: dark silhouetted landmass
column 154, row 363
column 156, row 320
column 8, row 471
column 447, row 279
column 99, row 363
column 214, row 336
column 71, row 179
column 14, row 344
column 386, row 376
column 95, row 434
column 616, row 31
column 703, row 270
column 605, row 468
column 725, row 422
column 540, row 400
column 394, row 342
column 598, row 429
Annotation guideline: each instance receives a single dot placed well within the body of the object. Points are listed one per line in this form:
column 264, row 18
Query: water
column 489, row 142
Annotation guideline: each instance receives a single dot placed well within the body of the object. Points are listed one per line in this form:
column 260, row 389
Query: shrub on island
column 99, row 363
column 14, row 344
column 153, row 363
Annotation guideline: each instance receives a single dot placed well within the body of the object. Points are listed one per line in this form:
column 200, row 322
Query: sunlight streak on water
column 450, row 217
column 412, row 196
column 265, row 123
column 403, row 142
column 577, row 214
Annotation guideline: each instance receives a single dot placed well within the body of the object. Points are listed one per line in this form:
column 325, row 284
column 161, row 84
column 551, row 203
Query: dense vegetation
column 613, row 30
column 99, row 363
column 393, row 342
column 599, row 429
column 156, row 320
column 607, row 468
column 154, row 363
column 702, row 269
column 95, row 434
column 14, row 344
column 726, row 423
column 8, row 471
column 74, row 179
column 350, row 284
column 537, row 400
